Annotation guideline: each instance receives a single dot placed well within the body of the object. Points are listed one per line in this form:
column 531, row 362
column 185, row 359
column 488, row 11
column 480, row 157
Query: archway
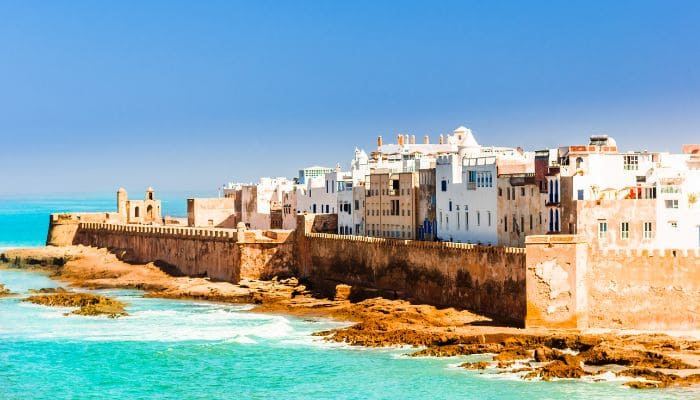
column 149, row 213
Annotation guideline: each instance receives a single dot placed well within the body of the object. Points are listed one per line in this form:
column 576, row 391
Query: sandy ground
column 658, row 360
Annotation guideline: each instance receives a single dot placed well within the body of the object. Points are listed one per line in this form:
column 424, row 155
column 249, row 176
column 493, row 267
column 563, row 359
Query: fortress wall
column 486, row 279
column 571, row 284
column 658, row 290
column 64, row 226
column 192, row 251
column 215, row 253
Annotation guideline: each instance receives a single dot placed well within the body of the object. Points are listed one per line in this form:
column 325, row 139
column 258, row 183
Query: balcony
column 471, row 185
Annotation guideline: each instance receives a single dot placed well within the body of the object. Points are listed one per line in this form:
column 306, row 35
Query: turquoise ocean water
column 168, row 349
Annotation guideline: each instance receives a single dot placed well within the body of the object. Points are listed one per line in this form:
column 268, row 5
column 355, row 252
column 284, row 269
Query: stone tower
column 122, row 198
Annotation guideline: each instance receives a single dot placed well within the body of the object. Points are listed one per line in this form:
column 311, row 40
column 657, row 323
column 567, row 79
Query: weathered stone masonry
column 555, row 281
column 490, row 280
column 221, row 254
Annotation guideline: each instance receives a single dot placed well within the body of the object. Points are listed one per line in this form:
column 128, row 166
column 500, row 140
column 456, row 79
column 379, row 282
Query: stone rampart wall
column 571, row 284
column 490, row 280
column 216, row 253
column 649, row 290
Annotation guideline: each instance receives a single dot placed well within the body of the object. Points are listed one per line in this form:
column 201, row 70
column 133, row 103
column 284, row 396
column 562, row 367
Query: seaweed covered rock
column 87, row 303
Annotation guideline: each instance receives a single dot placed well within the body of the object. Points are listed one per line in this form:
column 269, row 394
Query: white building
column 466, row 190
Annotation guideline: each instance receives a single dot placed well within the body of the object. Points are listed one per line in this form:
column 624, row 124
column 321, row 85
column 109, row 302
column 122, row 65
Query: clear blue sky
column 192, row 94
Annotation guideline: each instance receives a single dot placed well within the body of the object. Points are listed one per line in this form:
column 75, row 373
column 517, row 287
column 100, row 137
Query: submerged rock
column 88, row 303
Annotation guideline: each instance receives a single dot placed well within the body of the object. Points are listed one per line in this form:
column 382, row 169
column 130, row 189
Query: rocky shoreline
column 652, row 360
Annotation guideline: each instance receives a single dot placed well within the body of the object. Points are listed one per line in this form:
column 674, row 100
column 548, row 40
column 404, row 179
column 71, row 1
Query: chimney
column 426, row 139
column 441, row 140
column 413, row 139
column 400, row 139
column 379, row 141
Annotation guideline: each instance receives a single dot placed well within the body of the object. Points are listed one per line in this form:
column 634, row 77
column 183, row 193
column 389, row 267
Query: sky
column 193, row 94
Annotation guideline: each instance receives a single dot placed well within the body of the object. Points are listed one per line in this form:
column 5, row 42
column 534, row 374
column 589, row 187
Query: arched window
column 579, row 161
column 556, row 221
column 149, row 212
column 551, row 220
column 137, row 212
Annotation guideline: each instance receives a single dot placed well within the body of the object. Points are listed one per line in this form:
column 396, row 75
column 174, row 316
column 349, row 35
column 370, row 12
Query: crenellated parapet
column 419, row 244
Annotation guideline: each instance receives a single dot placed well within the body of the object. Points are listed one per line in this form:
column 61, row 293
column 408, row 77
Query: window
column 671, row 203
column 357, row 204
column 466, row 220
column 579, row 161
column 505, row 224
column 602, row 229
column 647, row 230
column 443, row 185
column 631, row 162
column 522, row 191
column 500, row 192
column 522, row 223
column 449, row 208
column 489, row 217
column 673, row 224
column 137, row 212
column 530, row 221
column 624, row 230
column 478, row 218
column 580, row 194
column 458, row 221
column 394, row 207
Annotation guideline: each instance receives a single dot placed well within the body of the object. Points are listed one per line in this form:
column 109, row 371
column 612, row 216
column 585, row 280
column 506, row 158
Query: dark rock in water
column 474, row 365
column 557, row 369
column 88, row 303
column 48, row 290
column 544, row 354
column 656, row 379
column 603, row 354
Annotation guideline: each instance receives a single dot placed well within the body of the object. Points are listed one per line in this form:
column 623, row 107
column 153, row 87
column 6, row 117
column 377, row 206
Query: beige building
column 390, row 205
column 521, row 209
column 221, row 212
column 146, row 211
